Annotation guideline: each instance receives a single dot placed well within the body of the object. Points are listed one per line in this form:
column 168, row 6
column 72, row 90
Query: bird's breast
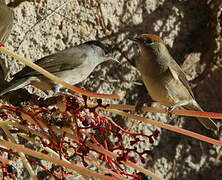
column 155, row 81
column 158, row 90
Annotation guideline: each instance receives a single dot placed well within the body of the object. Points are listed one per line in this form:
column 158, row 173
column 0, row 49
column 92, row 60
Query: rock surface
column 191, row 29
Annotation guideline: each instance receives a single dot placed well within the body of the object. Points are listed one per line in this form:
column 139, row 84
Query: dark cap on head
column 98, row 43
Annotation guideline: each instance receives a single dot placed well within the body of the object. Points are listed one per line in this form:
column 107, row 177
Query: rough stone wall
column 192, row 31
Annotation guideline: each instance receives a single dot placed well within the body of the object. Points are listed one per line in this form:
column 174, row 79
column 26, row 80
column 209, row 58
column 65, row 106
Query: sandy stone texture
column 192, row 31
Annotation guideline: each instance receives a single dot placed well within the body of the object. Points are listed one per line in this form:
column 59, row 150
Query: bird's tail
column 14, row 85
column 206, row 122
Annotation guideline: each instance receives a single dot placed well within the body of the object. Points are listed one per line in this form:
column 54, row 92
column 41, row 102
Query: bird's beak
column 116, row 61
column 110, row 57
column 113, row 59
column 134, row 39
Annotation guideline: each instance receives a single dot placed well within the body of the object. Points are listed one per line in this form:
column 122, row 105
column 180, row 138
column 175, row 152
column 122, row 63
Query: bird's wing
column 179, row 75
column 64, row 60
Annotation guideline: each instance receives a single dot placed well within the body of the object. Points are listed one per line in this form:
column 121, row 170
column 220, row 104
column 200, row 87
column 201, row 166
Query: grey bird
column 73, row 65
column 163, row 77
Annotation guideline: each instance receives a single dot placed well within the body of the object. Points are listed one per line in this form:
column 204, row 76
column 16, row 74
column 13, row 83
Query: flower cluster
column 69, row 129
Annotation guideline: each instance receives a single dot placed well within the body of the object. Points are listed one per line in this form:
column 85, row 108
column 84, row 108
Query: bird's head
column 101, row 51
column 149, row 42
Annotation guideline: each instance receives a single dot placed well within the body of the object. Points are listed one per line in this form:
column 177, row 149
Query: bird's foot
column 175, row 106
column 168, row 112
column 143, row 98
column 60, row 93
column 138, row 107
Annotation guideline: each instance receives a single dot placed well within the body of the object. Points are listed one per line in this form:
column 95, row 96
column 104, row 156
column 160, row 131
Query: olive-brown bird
column 163, row 77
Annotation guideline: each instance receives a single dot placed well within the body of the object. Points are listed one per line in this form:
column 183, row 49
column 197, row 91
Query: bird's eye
column 106, row 53
column 148, row 41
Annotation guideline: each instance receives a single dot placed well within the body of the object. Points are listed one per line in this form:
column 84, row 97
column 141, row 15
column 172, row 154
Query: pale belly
column 75, row 76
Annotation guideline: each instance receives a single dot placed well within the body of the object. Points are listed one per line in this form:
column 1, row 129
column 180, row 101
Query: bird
column 163, row 77
column 72, row 65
